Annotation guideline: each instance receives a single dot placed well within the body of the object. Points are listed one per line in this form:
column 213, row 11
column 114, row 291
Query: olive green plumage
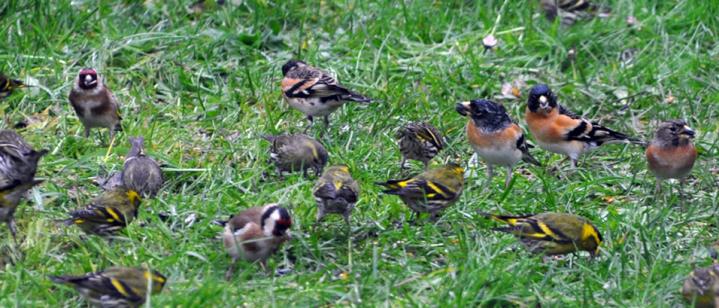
column 552, row 233
column 7, row 85
column 107, row 214
column 141, row 173
column 115, row 286
column 297, row 152
column 419, row 141
column 431, row 191
column 701, row 288
column 336, row 192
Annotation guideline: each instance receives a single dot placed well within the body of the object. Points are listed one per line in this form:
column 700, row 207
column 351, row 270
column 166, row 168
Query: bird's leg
column 403, row 163
column 263, row 265
column 490, row 174
column 509, row 177
column 231, row 270
column 426, row 164
column 681, row 189
column 658, row 187
column 13, row 230
column 327, row 121
column 311, row 120
column 320, row 216
column 87, row 132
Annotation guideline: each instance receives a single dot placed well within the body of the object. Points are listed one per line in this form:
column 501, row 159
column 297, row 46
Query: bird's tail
column 356, row 97
column 393, row 186
column 17, row 187
column 507, row 219
column 527, row 157
column 606, row 135
column 14, row 83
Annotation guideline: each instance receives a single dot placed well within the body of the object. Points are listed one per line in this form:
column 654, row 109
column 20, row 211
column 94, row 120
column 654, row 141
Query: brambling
column 255, row 234
column 7, row 85
column 419, row 141
column 551, row 233
column 494, row 136
column 336, row 192
column 94, row 103
column 297, row 152
column 108, row 213
column 429, row 192
column 116, row 286
column 571, row 10
column 701, row 288
column 560, row 131
column 671, row 154
column 314, row 92
column 141, row 173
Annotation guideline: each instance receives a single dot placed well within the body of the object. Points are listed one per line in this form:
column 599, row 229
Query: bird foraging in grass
column 94, row 104
column 494, row 136
column 297, row 152
column 8, row 85
column 429, row 192
column 551, row 233
column 701, row 288
column 141, row 173
column 255, row 234
column 671, row 154
column 560, row 131
column 419, row 141
column 116, row 286
column 314, row 92
column 336, row 192
column 571, row 10
column 108, row 213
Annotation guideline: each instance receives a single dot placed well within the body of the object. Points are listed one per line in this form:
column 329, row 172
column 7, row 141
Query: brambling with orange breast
column 671, row 154
column 494, row 137
column 560, row 131
column 314, row 92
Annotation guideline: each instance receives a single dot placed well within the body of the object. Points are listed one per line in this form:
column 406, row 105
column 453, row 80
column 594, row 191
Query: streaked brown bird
column 108, row 213
column 141, row 173
column 701, row 288
column 570, row 11
column 116, row 286
column 94, row 103
column 419, row 141
column 336, row 192
column 297, row 152
column 7, row 85
column 671, row 154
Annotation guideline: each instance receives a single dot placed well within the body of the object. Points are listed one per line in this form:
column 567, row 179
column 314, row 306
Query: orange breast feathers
column 551, row 127
column 497, row 139
column 288, row 83
column 672, row 157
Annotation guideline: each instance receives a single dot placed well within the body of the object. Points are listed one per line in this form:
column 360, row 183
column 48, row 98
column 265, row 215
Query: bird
column 140, row 172
column 18, row 165
column 116, row 286
column 255, row 234
column 671, row 155
column 494, row 136
column 314, row 92
column 558, row 130
column 571, row 10
column 336, row 192
column 419, row 141
column 429, row 192
column 94, row 103
column 551, row 233
column 108, row 213
column 701, row 288
column 7, row 85
column 297, row 152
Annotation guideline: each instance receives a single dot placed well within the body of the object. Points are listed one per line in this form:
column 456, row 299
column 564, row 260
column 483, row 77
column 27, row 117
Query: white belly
column 313, row 106
column 571, row 148
column 500, row 156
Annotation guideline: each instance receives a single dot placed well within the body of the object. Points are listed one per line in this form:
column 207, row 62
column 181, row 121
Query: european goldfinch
column 419, row 141
column 107, row 214
column 116, row 286
column 701, row 288
column 94, row 104
column 560, row 131
column 671, row 154
column 314, row 92
column 336, row 192
column 494, row 136
column 7, row 85
column 297, row 152
column 255, row 234
column 431, row 191
column 552, row 233
column 141, row 173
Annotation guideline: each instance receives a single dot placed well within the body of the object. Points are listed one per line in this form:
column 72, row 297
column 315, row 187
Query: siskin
column 297, row 152
column 419, row 141
column 7, row 85
column 108, row 213
column 336, row 192
column 141, row 173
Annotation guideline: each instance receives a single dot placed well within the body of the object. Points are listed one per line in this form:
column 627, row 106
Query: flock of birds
column 256, row 233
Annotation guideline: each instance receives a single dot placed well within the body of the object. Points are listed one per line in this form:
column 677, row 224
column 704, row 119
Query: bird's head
column 485, row 113
column 675, row 132
column 276, row 221
column 541, row 99
column 291, row 65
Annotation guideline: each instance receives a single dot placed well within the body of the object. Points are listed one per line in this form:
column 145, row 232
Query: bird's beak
column 688, row 131
column 543, row 102
column 89, row 81
column 462, row 108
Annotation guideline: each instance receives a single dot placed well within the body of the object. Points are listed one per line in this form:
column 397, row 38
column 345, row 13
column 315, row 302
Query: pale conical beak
column 688, row 131
column 543, row 101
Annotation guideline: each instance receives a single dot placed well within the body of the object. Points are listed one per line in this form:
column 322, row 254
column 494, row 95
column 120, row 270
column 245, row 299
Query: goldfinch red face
column 276, row 221
column 87, row 78
column 541, row 99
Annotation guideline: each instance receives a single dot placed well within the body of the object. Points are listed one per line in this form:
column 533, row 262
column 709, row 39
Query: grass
column 202, row 87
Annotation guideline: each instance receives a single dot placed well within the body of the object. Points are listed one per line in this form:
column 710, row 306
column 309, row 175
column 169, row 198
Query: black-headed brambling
column 94, row 103
column 671, row 154
column 419, row 141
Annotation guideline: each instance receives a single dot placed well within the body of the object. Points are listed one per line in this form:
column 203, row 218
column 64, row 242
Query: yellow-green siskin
column 107, row 214
column 419, row 141
column 552, row 233
column 141, row 173
column 431, row 191
column 336, row 192
column 701, row 288
column 7, row 85
column 116, row 286
column 297, row 152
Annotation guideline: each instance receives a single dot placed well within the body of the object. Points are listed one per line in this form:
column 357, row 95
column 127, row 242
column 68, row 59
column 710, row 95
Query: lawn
column 202, row 86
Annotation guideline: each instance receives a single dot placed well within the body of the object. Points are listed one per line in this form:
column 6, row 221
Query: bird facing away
column 701, row 288
column 108, row 213
column 297, row 152
column 255, row 234
column 116, row 286
column 419, row 141
column 141, row 173
column 429, row 192
column 560, row 131
column 671, row 154
column 7, row 85
column 336, row 192
column 314, row 92
column 552, row 233
column 94, row 104
column 571, row 10
column 494, row 137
